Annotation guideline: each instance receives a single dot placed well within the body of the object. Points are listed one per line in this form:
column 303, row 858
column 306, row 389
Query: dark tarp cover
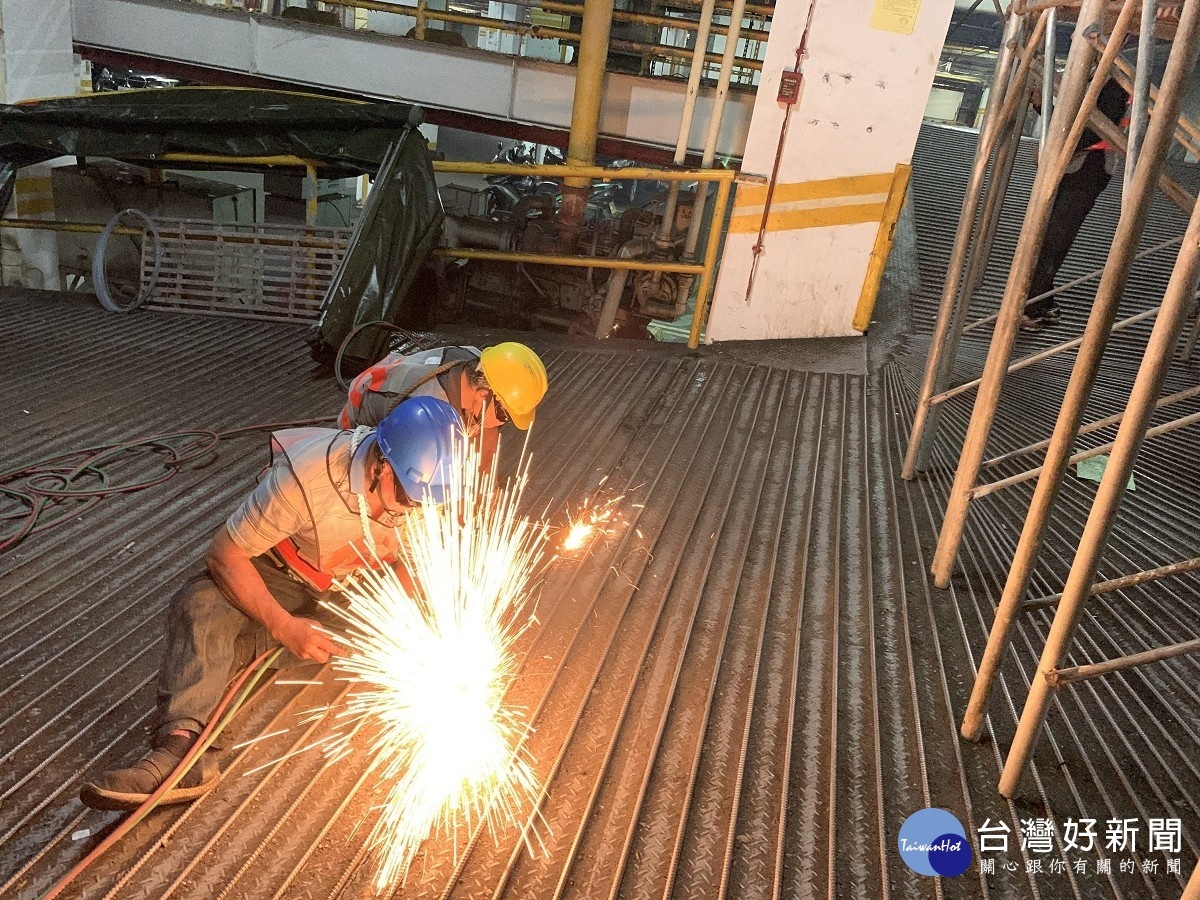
column 397, row 228
column 346, row 137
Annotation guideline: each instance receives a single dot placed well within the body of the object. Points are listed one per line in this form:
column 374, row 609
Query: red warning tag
column 789, row 87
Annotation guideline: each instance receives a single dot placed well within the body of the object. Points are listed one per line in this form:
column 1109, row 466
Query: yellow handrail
column 599, row 173
column 706, row 270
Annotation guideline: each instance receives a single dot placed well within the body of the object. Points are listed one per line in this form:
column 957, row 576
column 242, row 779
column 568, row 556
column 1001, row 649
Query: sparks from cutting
column 590, row 519
column 433, row 661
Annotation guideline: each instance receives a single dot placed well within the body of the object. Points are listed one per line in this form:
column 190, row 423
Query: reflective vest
column 331, row 544
column 380, row 389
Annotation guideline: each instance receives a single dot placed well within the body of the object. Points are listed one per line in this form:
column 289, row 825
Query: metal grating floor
column 743, row 693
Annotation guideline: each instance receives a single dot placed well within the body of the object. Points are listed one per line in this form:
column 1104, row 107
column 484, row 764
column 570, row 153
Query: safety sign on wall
column 898, row 16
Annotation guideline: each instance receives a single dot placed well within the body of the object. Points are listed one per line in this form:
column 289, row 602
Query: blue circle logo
column 933, row 842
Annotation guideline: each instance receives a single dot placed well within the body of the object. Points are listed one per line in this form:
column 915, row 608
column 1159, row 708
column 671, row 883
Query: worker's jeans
column 209, row 640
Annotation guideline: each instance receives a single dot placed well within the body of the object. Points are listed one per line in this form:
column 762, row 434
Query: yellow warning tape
column 851, row 200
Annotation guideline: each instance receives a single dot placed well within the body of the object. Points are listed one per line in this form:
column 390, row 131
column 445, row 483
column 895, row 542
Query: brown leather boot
column 124, row 789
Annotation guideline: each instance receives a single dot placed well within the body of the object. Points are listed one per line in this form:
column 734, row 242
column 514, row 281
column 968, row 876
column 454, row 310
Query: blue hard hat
column 417, row 438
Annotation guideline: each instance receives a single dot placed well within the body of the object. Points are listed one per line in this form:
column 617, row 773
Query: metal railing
column 668, row 55
column 331, row 239
column 705, row 269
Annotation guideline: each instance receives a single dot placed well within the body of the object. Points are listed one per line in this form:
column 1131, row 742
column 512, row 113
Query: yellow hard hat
column 517, row 377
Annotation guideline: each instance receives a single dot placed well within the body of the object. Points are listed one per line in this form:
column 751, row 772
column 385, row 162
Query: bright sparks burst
column 433, row 661
column 590, row 519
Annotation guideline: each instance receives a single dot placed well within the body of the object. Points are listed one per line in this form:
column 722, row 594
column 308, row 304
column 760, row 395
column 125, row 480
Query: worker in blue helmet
column 329, row 500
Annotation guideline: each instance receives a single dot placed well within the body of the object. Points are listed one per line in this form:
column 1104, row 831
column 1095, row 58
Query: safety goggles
column 403, row 500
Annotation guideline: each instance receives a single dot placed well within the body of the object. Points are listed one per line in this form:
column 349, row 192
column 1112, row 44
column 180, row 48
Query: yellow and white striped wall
column 829, row 202
column 840, row 164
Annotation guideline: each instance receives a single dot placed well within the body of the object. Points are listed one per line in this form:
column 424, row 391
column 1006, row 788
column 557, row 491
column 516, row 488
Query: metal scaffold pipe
column 1120, row 584
column 1007, row 92
column 1026, row 361
column 1059, row 677
column 993, row 208
column 714, row 125
column 1095, row 339
column 1187, row 134
column 1132, row 433
column 1077, row 99
column 1139, row 117
column 984, row 490
column 685, row 122
column 1099, row 424
column 1048, row 74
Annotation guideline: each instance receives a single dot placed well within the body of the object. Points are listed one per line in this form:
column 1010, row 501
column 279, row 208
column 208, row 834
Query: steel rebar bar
column 1087, row 363
column 1078, row 86
column 1132, row 433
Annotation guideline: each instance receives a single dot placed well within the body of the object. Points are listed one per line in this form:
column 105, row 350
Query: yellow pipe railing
column 884, row 239
column 706, row 270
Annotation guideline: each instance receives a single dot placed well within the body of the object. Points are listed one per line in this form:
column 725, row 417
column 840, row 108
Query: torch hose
column 74, row 482
column 221, row 716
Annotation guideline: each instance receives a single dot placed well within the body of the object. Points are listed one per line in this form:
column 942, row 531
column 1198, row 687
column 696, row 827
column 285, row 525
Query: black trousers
column 1076, row 196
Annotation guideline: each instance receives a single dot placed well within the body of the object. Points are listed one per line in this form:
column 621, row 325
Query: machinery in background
column 518, row 215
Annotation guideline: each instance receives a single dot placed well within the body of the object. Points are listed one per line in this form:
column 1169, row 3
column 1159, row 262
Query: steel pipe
column 983, row 490
column 1189, row 343
column 1087, row 363
column 1058, row 677
column 943, row 348
column 1065, row 122
column 715, row 232
column 1033, row 358
column 1048, row 64
column 1088, row 429
column 714, row 123
column 1075, row 282
column 1189, row 134
column 993, row 209
column 1132, row 433
column 1140, row 114
column 585, row 116
column 685, row 122
column 1172, row 189
column 1120, row 584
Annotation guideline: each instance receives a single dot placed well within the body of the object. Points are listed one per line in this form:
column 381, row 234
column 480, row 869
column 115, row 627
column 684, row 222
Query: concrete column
column 36, row 62
column 867, row 78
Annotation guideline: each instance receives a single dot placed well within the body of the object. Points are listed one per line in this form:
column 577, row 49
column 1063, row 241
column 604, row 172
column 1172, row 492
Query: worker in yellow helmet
column 503, row 383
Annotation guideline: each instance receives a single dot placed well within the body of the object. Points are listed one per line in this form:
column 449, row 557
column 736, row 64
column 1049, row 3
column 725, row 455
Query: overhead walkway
column 459, row 86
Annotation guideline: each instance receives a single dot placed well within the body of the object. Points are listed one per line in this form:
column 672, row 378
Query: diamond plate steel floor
column 743, row 692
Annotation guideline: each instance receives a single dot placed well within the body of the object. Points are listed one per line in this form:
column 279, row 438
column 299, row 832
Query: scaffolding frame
column 1101, row 29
